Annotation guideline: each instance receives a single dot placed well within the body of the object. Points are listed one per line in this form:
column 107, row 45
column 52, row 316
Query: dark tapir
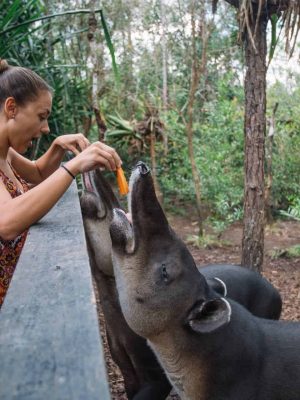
column 144, row 378
column 211, row 348
column 245, row 286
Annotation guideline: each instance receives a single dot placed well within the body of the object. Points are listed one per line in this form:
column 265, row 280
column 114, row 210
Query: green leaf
column 110, row 47
column 274, row 19
column 42, row 18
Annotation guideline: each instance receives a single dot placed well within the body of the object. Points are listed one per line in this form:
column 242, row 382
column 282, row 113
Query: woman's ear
column 10, row 107
column 209, row 315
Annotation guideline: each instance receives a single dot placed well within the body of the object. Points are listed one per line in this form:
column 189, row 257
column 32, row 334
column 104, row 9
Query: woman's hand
column 96, row 155
column 76, row 142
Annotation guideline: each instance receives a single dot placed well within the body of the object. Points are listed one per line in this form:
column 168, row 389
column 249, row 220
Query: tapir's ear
column 91, row 206
column 209, row 315
column 121, row 232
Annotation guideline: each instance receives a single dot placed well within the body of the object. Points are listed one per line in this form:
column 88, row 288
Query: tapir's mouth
column 87, row 182
column 95, row 183
column 126, row 230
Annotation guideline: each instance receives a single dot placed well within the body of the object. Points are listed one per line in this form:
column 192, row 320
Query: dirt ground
column 283, row 272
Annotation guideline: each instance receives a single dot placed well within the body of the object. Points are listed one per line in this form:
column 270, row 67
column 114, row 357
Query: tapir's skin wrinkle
column 211, row 348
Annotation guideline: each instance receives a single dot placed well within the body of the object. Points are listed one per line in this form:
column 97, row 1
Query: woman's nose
column 45, row 128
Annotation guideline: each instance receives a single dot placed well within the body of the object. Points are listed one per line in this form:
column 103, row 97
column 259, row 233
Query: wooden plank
column 50, row 346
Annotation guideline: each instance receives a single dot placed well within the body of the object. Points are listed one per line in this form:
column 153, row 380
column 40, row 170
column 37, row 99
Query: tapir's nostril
column 144, row 170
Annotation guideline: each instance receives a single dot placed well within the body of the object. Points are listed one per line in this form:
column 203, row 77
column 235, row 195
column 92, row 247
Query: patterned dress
column 10, row 250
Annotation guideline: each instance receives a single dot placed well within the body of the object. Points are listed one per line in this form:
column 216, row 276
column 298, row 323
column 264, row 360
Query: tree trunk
column 96, row 60
column 87, row 123
column 164, row 68
column 254, row 131
column 269, row 173
column 153, row 167
column 195, row 75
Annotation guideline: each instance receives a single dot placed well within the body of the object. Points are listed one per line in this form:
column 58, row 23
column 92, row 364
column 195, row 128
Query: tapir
column 144, row 378
column 210, row 347
column 245, row 286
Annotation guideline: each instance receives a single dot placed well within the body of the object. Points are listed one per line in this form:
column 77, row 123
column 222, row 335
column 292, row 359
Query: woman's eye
column 42, row 118
column 164, row 273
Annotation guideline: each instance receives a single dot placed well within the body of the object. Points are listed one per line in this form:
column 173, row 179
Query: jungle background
column 163, row 81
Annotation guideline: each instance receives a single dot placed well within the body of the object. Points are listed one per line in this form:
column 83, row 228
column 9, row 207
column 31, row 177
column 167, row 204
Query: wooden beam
column 50, row 346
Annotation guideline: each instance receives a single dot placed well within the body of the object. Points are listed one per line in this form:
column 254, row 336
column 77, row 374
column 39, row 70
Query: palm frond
column 110, row 47
column 45, row 17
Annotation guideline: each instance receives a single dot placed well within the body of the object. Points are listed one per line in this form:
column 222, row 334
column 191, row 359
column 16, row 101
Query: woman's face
column 30, row 122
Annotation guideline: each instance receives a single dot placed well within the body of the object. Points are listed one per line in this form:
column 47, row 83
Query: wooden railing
column 50, row 346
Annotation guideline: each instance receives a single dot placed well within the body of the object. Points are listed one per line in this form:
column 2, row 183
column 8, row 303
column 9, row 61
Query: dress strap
column 21, row 180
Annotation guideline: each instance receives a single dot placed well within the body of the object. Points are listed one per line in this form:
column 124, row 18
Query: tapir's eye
column 164, row 273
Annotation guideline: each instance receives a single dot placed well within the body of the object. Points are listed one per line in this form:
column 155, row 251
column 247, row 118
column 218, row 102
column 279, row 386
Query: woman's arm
column 36, row 171
column 19, row 213
column 51, row 160
column 25, row 168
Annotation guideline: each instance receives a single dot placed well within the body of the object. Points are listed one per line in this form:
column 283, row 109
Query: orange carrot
column 122, row 183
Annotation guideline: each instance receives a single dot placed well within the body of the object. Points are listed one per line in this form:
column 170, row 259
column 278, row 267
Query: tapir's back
column 281, row 372
column 248, row 288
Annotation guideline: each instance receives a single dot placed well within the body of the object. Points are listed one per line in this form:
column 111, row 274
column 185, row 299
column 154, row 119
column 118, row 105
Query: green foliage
column 43, row 47
column 122, row 134
column 206, row 241
column 219, row 155
column 293, row 210
column 286, row 162
column 218, row 142
column 110, row 46
column 58, row 50
column 290, row 252
column 274, row 20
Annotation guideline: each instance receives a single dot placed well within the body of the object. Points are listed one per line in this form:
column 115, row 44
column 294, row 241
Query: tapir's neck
column 185, row 368
column 200, row 366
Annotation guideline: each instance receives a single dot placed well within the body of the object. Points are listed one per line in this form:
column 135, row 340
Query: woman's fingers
column 106, row 163
column 109, row 160
column 82, row 142
column 75, row 141
column 96, row 155
column 110, row 154
column 73, row 149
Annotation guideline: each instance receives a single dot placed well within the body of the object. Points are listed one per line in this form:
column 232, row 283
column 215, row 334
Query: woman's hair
column 22, row 84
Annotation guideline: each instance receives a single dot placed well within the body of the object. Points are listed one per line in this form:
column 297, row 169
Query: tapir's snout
column 148, row 219
column 147, row 215
column 144, row 170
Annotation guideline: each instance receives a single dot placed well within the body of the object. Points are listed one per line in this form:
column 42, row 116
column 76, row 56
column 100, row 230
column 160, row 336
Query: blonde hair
column 22, row 84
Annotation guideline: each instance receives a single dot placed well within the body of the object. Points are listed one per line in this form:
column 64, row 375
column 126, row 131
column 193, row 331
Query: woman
column 25, row 105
